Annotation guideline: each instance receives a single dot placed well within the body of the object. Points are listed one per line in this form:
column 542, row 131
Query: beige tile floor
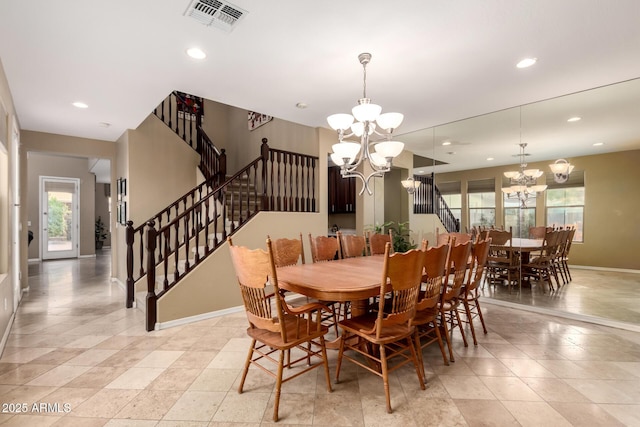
column 73, row 344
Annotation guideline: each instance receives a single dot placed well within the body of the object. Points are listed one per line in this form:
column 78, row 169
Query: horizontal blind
column 481, row 186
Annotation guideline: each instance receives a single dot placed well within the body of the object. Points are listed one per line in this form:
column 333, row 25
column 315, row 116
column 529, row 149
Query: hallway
column 73, row 343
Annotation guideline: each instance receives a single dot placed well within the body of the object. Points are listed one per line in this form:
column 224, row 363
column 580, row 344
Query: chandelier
column 365, row 122
column 523, row 182
column 561, row 170
column 410, row 184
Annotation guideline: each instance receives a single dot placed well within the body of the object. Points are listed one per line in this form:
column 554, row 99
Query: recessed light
column 421, row 172
column 489, row 158
column 301, row 105
column 79, row 104
column 526, row 62
column 598, row 144
column 451, row 152
column 574, row 119
column 446, row 143
column 196, row 53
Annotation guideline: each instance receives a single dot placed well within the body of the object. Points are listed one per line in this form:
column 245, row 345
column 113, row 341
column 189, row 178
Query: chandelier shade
column 410, row 184
column 364, row 122
column 561, row 170
column 523, row 182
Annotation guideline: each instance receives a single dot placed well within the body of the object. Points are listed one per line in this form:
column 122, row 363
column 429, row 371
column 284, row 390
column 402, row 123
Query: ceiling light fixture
column 489, row 158
column 526, row 62
column 410, row 184
column 446, row 143
column 574, row 119
column 79, row 104
column 598, row 144
column 196, row 53
column 362, row 124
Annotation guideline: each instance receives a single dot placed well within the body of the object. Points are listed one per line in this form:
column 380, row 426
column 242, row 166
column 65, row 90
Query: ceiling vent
column 215, row 13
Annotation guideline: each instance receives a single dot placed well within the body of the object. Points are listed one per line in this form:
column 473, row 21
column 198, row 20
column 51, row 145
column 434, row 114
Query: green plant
column 401, row 234
column 101, row 234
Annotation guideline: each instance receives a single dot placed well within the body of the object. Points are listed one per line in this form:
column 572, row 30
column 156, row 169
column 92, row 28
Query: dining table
column 352, row 280
column 522, row 248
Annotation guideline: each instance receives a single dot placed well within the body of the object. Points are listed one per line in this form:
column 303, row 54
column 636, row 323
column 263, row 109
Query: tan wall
column 212, row 286
column 64, row 167
column 611, row 212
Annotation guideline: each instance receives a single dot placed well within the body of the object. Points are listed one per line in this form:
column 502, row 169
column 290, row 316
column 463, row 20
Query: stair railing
column 278, row 180
column 427, row 199
column 183, row 114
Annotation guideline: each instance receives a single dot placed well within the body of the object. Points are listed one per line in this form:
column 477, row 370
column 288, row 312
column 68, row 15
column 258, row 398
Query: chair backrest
column 457, row 265
column 500, row 237
column 287, row 251
column 400, row 284
column 255, row 270
column 538, row 232
column 445, row 238
column 353, row 245
column 377, row 243
column 324, row 248
column 480, row 254
column 435, row 262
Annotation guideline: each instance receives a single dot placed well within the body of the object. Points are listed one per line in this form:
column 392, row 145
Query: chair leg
column 443, row 320
column 416, row 338
column 325, row 360
column 385, row 377
column 467, row 310
column 484, row 327
column 247, row 362
column 419, row 369
column 278, row 387
column 340, row 353
column 464, row 338
column 440, row 343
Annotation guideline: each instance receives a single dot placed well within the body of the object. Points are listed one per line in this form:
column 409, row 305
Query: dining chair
column 387, row 335
column 323, row 249
column 273, row 325
column 563, row 241
column 470, row 292
column 540, row 266
column 451, row 294
column 377, row 242
column 353, row 245
column 287, row 251
column 563, row 261
column 426, row 318
column 445, row 238
column 502, row 261
column 539, row 231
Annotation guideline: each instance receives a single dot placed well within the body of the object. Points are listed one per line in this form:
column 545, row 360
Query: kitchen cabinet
column 342, row 192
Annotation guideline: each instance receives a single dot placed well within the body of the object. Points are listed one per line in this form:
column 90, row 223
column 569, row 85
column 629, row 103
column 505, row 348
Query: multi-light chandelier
column 365, row 121
column 523, row 182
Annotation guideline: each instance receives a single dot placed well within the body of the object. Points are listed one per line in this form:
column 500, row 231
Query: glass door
column 59, row 221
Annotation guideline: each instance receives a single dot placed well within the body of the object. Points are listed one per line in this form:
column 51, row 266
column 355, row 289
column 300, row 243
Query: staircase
column 167, row 247
column 428, row 200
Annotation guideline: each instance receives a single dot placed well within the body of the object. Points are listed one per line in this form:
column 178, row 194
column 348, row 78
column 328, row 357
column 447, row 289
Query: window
column 518, row 218
column 482, row 203
column 454, row 201
column 565, row 207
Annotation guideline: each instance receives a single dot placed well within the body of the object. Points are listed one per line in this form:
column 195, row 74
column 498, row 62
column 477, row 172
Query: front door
column 59, row 219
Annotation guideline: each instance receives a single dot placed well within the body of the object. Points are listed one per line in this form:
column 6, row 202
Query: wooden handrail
column 427, row 199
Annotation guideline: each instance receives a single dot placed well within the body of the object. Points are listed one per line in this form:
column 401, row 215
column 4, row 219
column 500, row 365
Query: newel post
column 151, row 276
column 129, row 240
column 264, row 153
column 222, row 166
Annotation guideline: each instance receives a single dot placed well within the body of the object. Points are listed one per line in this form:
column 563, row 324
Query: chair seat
column 359, row 325
column 425, row 316
column 298, row 332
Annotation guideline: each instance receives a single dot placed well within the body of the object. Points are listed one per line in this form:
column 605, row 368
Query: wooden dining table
column 352, row 280
column 522, row 247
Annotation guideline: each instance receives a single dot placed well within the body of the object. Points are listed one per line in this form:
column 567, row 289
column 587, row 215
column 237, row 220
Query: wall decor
column 256, row 120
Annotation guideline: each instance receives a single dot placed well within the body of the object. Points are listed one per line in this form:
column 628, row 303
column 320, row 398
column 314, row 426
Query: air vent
column 216, row 13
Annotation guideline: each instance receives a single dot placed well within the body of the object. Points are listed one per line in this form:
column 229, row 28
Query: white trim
column 618, row 270
column 25, row 290
column 198, row 317
column 119, row 283
column 33, row 260
column 566, row 315
column 5, row 336
column 87, row 256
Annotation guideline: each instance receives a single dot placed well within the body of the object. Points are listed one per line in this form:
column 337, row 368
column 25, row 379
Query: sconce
column 561, row 170
column 410, row 184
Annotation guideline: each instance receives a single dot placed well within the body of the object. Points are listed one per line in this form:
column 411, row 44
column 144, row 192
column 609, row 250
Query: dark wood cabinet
column 342, row 192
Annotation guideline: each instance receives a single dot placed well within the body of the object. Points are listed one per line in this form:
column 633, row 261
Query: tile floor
column 73, row 344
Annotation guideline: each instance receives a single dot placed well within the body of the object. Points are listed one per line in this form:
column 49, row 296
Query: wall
column 65, row 167
column 611, row 212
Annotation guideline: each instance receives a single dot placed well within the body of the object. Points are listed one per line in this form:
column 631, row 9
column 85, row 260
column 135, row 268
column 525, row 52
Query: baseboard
column 87, row 256
column 566, row 315
column 33, row 260
column 119, row 283
column 198, row 317
column 5, row 336
column 617, row 270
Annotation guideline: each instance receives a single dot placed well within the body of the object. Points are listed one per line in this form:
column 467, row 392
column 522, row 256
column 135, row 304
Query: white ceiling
column 435, row 61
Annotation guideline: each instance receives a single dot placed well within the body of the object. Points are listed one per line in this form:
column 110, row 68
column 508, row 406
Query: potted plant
column 101, row 234
column 401, row 234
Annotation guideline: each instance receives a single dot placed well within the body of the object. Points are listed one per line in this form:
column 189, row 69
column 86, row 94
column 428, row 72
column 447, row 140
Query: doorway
column 59, row 198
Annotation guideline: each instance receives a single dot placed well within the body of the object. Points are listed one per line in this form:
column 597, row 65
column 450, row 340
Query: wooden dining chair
column 538, row 232
column 470, row 292
column 273, row 325
column 352, row 245
column 563, row 259
column 390, row 333
column 287, row 251
column 445, row 238
column 540, row 266
column 502, row 261
column 324, row 248
column 451, row 296
column 426, row 318
column 377, row 243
